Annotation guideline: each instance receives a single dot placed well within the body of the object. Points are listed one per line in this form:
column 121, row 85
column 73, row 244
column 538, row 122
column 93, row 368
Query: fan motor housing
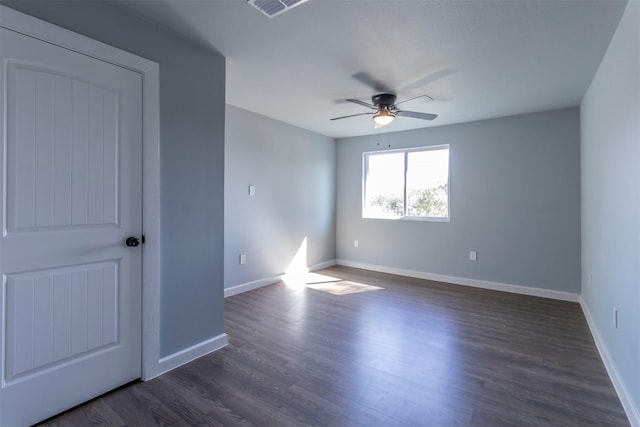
column 385, row 99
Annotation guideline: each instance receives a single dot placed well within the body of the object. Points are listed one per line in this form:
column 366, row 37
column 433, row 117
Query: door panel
column 61, row 125
column 56, row 315
column 72, row 193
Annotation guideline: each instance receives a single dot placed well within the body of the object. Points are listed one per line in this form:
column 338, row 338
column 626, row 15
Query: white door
column 71, row 185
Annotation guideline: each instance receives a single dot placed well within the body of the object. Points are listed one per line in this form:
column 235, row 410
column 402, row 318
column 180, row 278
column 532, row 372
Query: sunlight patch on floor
column 343, row 287
column 320, row 278
column 323, row 283
column 295, row 280
column 298, row 277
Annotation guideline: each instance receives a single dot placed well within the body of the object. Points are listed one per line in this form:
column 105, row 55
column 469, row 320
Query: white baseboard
column 484, row 284
column 182, row 357
column 505, row 287
column 618, row 383
column 322, row 265
column 249, row 286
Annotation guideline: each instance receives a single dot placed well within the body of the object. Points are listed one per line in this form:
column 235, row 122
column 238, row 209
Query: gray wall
column 610, row 152
column 293, row 171
column 515, row 199
column 192, row 91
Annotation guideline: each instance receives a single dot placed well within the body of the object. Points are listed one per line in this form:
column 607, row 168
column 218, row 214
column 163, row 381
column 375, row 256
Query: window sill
column 410, row 218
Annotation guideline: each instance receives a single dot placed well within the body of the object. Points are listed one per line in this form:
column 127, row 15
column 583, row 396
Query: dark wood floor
column 413, row 353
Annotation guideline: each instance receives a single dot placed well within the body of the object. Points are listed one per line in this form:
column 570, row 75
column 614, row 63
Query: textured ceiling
column 478, row 59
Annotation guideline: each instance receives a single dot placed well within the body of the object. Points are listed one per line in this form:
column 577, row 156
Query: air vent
column 273, row 8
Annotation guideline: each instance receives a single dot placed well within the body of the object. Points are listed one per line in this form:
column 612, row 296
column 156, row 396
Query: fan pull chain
column 388, row 144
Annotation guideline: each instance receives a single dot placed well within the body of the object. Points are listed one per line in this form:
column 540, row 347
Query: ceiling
column 478, row 59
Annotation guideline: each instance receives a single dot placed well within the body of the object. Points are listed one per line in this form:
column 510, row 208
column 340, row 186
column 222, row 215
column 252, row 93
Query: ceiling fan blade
column 416, row 115
column 364, row 104
column 369, row 80
column 423, row 98
column 352, row 115
column 428, row 79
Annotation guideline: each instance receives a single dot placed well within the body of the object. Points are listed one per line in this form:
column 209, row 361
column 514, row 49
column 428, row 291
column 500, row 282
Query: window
column 411, row 183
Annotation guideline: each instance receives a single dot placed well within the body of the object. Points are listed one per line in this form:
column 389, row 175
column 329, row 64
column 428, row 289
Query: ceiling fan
column 386, row 109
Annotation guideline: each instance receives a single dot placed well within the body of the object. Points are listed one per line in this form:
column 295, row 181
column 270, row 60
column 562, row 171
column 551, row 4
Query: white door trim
column 149, row 70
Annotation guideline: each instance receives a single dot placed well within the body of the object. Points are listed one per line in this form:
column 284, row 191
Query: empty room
column 320, row 212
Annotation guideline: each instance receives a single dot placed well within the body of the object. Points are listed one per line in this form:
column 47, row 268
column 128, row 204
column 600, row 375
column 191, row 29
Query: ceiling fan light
column 383, row 118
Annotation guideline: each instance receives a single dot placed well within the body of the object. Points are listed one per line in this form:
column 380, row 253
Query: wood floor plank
column 95, row 413
column 135, row 405
column 409, row 352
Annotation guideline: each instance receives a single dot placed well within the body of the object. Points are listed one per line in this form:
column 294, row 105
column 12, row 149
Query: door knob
column 132, row 241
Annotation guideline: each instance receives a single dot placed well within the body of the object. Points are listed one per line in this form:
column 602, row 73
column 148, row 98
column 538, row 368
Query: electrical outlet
column 252, row 190
column 473, row 256
column 615, row 317
column 355, row 243
column 243, row 259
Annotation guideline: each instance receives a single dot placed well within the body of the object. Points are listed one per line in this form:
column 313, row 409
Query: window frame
column 406, row 151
